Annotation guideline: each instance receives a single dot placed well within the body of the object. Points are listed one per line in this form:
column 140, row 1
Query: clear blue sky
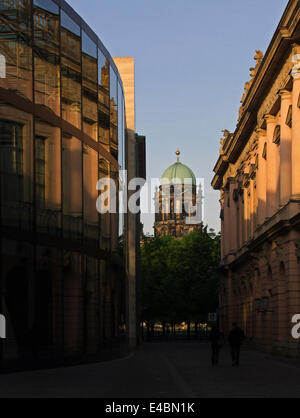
column 192, row 61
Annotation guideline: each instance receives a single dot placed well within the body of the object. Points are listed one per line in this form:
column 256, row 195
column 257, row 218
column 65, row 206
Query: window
column 71, row 71
column 11, row 151
column 90, row 87
column 40, row 170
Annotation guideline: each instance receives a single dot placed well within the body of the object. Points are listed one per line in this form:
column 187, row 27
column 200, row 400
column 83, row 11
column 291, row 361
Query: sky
column 192, row 59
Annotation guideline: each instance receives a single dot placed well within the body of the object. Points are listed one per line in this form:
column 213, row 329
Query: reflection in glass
column 90, row 90
column 121, row 145
column 48, row 5
column 15, row 46
column 88, row 46
column 72, row 187
column 46, row 55
column 67, row 23
column 91, row 271
column 15, row 167
column 71, row 73
column 90, row 175
column 121, row 126
column 47, row 177
column 113, row 114
column 103, row 99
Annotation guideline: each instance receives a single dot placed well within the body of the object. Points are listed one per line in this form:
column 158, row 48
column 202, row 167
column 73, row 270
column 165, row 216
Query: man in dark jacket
column 236, row 338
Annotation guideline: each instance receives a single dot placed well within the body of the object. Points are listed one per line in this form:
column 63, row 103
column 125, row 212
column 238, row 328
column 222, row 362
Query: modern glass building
column 62, row 127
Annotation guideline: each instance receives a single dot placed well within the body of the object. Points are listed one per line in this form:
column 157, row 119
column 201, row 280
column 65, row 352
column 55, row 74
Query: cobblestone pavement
column 163, row 370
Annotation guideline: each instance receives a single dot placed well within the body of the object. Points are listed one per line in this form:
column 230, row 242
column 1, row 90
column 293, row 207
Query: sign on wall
column 212, row 317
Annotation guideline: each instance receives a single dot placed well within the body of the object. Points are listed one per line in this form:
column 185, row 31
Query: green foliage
column 180, row 277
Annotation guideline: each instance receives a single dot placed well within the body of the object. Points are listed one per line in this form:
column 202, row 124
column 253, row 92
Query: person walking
column 216, row 338
column 236, row 338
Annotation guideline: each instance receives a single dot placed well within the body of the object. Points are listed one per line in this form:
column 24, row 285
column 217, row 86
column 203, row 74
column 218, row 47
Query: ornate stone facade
column 257, row 174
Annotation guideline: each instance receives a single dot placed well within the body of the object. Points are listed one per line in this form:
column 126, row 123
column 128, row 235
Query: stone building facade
column 258, row 176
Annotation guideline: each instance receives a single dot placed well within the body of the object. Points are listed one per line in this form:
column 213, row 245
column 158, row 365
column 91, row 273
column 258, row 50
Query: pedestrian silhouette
column 216, row 338
column 236, row 338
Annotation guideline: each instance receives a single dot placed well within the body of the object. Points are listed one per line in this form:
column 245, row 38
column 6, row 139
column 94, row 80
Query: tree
column 180, row 277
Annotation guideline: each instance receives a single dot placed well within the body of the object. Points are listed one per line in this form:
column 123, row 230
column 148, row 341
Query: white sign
column 212, row 317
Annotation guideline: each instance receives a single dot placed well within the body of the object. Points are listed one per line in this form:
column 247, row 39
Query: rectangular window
column 72, row 187
column 47, row 177
column 40, row 172
column 16, row 181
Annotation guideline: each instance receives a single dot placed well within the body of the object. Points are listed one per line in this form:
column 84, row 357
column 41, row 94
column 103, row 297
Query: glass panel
column 47, row 177
column 48, row 299
column 71, row 74
column 69, row 24
column 46, row 55
column 121, row 145
column 90, row 91
column 113, row 114
column 72, row 187
column 90, row 173
column 105, row 230
column 74, row 300
column 16, row 167
column 92, row 303
column 48, row 5
column 15, row 49
column 120, row 126
column 88, row 46
column 103, row 99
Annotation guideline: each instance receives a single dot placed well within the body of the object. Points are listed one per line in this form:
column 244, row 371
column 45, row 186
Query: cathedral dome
column 177, row 173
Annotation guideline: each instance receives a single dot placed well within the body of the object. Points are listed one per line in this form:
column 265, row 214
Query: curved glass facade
column 62, row 127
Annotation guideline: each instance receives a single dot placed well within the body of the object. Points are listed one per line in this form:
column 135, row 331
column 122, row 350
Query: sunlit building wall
column 258, row 176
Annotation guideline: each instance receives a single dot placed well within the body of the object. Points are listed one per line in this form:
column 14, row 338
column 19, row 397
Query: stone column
column 246, row 220
column 261, row 178
column 252, row 208
column 296, row 126
column 241, row 219
column 285, row 149
column 222, row 227
column 272, row 172
column 233, row 218
column 227, row 237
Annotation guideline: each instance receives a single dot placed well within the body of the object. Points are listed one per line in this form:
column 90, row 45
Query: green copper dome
column 177, row 173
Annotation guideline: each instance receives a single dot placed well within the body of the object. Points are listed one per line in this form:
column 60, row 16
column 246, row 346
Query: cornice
column 262, row 91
